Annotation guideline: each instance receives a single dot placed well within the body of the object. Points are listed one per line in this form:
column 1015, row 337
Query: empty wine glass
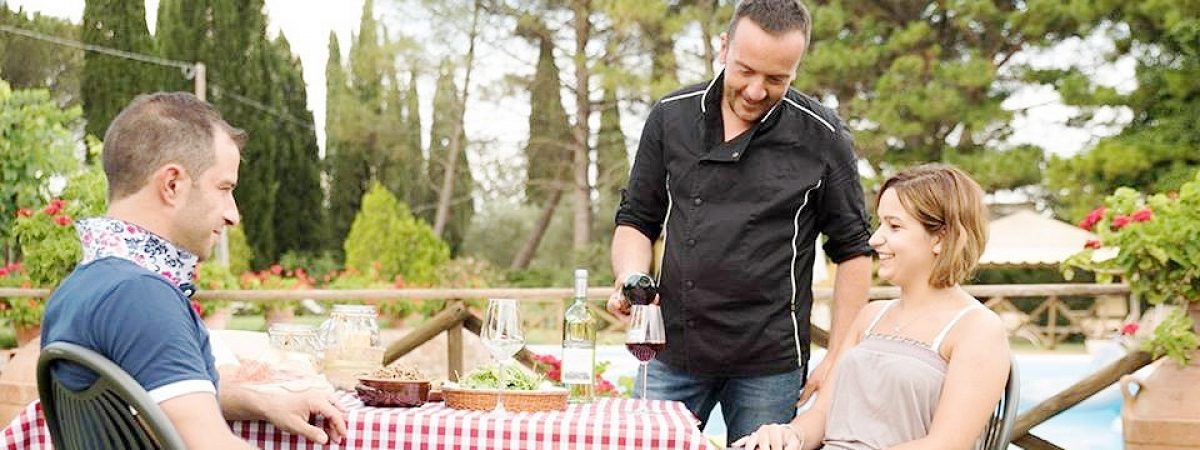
column 503, row 338
column 644, row 338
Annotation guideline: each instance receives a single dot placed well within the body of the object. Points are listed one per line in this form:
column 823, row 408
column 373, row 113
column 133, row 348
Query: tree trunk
column 446, row 195
column 708, row 8
column 583, row 106
column 525, row 256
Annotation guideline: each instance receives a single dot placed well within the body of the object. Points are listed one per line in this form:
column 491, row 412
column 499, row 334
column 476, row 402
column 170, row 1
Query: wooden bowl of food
column 382, row 392
column 393, row 387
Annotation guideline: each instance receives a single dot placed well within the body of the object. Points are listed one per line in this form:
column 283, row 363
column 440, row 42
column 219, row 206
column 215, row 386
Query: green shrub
column 385, row 236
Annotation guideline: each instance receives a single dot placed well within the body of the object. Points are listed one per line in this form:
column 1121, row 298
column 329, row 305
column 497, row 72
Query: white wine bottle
column 579, row 345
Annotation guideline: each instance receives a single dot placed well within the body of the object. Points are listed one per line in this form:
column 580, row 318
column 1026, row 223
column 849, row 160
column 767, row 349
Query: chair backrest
column 998, row 433
column 115, row 412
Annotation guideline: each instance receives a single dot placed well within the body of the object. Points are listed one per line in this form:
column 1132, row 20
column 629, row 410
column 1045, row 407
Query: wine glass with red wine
column 644, row 338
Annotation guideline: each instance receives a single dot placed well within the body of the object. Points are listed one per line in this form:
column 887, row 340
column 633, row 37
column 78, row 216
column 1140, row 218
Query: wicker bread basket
column 522, row 401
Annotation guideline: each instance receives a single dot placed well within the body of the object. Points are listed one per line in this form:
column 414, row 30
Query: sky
column 1040, row 117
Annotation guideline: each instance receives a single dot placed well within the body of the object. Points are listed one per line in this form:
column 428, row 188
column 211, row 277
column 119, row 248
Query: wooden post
column 1032, row 442
column 1078, row 392
column 452, row 316
column 818, row 336
column 1052, row 326
column 454, row 345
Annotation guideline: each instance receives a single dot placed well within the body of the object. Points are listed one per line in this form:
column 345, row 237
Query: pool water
column 1094, row 424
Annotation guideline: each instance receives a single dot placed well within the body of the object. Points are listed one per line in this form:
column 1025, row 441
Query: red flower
column 1129, row 329
column 24, row 212
column 1092, row 243
column 63, row 220
column 1092, row 218
column 1143, row 215
column 3, row 272
column 196, row 307
column 277, row 269
column 54, row 207
column 1120, row 222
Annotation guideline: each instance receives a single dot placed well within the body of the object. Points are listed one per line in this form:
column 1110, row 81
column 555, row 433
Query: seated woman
column 924, row 371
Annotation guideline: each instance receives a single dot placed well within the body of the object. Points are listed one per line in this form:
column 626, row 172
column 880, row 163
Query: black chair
column 115, row 412
column 998, row 433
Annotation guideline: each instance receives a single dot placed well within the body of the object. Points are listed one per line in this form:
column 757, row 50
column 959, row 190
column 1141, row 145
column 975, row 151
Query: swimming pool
column 1094, row 424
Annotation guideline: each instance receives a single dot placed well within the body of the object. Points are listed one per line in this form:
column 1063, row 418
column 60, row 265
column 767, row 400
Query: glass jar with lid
column 296, row 346
column 351, row 344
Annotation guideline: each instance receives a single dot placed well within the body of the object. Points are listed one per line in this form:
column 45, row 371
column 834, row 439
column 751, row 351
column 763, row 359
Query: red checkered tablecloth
column 604, row 424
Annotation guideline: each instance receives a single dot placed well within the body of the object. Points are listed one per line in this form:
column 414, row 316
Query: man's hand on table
column 293, row 412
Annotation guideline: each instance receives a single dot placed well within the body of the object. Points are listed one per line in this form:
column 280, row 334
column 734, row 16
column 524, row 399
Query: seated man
column 171, row 163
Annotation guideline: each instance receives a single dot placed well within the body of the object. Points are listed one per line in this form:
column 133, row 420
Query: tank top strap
column 871, row 327
column 937, row 341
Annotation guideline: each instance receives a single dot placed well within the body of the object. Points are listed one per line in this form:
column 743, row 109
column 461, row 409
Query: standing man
column 172, row 165
column 741, row 174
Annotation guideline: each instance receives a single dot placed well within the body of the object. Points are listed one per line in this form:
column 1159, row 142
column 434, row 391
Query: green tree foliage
column 447, row 120
column 547, row 151
column 1160, row 148
column 110, row 82
column 183, row 33
column 348, row 172
column 30, row 63
column 299, row 219
column 925, row 81
column 257, row 84
column 385, row 234
column 37, row 144
column 366, row 137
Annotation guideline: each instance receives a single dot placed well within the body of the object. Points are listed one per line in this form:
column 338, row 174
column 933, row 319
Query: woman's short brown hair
column 158, row 129
column 949, row 204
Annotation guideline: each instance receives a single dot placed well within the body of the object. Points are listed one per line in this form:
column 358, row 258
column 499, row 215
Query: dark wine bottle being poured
column 639, row 289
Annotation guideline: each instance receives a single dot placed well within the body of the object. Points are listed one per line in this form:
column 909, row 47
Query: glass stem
column 503, row 384
column 645, row 371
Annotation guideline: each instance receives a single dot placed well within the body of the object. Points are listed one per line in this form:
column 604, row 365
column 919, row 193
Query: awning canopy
column 1026, row 238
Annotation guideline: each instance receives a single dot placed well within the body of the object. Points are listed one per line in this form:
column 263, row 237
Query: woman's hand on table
column 772, row 437
column 293, row 412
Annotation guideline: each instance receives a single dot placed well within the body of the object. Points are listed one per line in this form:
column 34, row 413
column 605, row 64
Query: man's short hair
column 948, row 203
column 157, row 129
column 776, row 17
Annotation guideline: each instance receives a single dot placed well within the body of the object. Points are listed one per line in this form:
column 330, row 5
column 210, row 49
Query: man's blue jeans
column 746, row 402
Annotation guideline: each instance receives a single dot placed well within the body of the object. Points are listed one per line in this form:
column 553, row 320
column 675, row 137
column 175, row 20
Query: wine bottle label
column 577, row 365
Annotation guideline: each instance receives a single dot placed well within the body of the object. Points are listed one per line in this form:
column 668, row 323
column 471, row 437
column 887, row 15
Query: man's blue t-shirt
column 135, row 318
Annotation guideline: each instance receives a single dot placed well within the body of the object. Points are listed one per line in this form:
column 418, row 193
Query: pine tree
column 110, row 82
column 299, row 219
column 447, row 119
column 547, row 152
column 421, row 197
column 182, row 34
column 347, row 171
column 242, row 70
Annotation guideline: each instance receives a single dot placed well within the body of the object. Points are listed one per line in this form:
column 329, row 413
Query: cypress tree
column 447, row 119
column 347, row 171
column 547, row 152
column 299, row 219
column 110, row 82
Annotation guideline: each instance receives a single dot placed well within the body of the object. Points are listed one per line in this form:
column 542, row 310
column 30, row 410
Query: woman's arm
column 809, row 427
column 979, row 363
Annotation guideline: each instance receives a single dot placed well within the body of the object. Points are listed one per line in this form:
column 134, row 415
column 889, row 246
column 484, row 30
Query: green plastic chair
column 115, row 412
column 998, row 433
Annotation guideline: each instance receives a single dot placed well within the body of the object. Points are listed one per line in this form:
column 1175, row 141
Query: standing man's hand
column 815, row 382
column 618, row 305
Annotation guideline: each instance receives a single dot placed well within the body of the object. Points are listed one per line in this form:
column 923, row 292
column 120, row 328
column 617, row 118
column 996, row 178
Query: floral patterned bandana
column 105, row 236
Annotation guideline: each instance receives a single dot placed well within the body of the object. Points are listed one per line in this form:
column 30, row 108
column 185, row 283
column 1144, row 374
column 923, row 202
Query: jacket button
column 689, row 284
column 691, row 324
column 697, row 201
column 691, row 242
